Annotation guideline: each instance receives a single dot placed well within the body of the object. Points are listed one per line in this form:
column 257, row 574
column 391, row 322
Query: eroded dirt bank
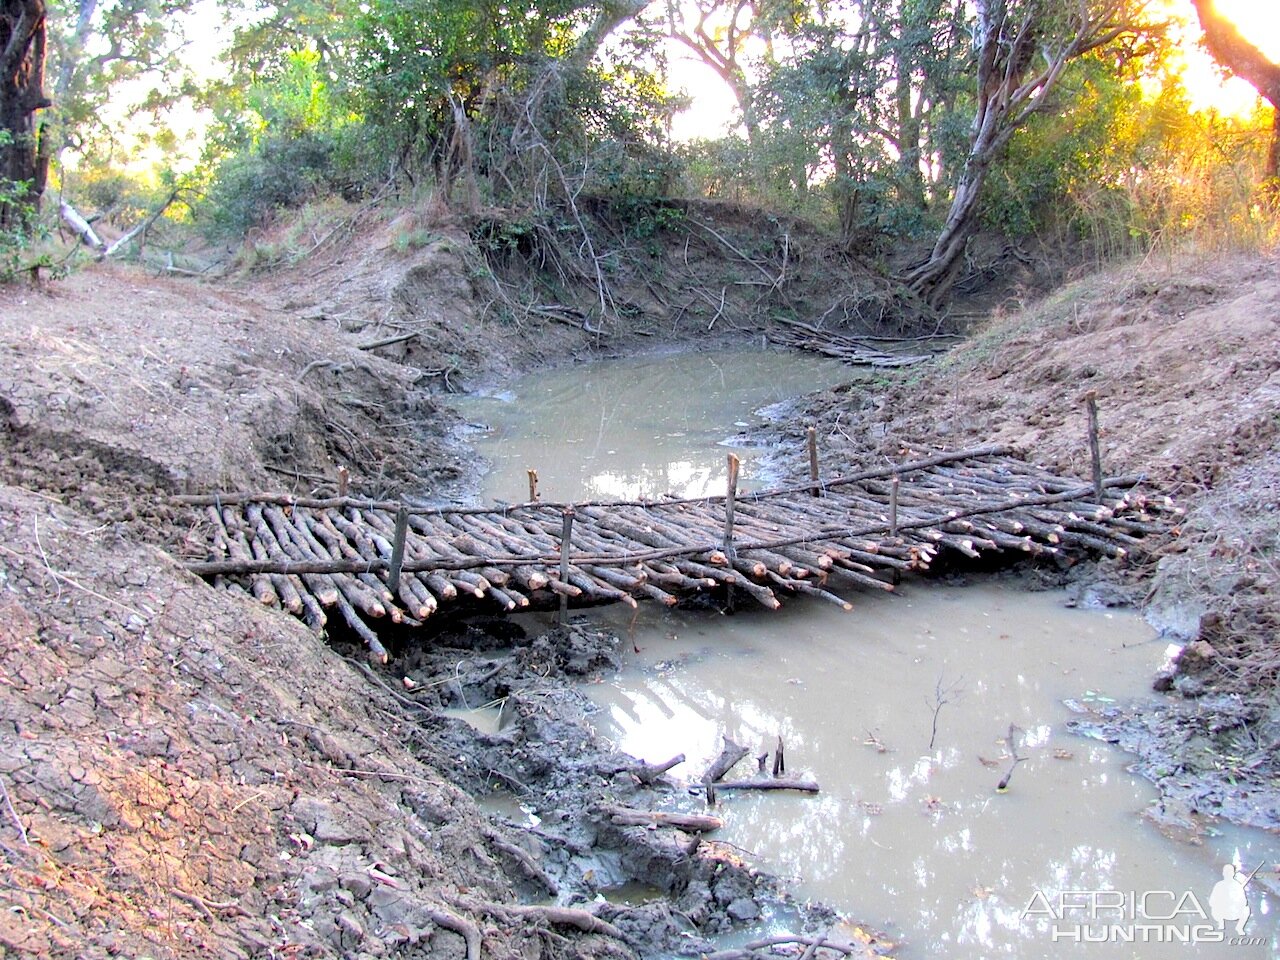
column 191, row 773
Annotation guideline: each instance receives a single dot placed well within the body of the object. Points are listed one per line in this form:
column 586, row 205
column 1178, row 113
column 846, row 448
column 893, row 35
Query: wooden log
column 598, row 591
column 670, row 575
column 688, row 822
column 657, row 593
column 649, row 772
column 325, row 531
column 439, row 585
column 767, row 783
column 1095, row 452
column 416, row 598
column 847, row 571
column 729, row 756
column 376, row 649
column 813, row 591
column 730, row 494
column 567, row 590
column 505, row 601
column 566, row 539
column 240, row 550
column 288, row 593
column 303, row 533
column 815, row 490
column 751, row 568
column 763, row 595
column 472, row 583
column 894, row 485
column 397, row 548
column 313, row 614
column 615, row 578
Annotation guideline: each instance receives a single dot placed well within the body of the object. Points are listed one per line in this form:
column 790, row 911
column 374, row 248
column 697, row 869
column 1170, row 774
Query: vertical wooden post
column 1095, row 453
column 566, row 537
column 893, row 522
column 730, row 493
column 397, row 548
column 533, row 485
column 893, row 506
column 813, row 462
column 344, row 481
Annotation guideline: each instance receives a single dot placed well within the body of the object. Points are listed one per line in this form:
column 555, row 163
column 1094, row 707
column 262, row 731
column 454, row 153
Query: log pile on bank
column 375, row 561
column 852, row 350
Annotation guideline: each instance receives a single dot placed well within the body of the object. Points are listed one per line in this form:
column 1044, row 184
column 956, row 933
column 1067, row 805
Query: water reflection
column 902, row 833
column 642, row 427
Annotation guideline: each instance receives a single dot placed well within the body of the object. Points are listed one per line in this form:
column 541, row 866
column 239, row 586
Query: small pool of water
column 912, row 836
column 639, row 427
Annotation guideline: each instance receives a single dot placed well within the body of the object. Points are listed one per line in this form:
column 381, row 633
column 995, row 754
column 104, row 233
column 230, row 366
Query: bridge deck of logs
column 369, row 561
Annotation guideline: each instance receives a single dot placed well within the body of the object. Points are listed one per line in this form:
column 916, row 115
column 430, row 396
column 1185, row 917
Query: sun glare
column 712, row 108
column 1258, row 20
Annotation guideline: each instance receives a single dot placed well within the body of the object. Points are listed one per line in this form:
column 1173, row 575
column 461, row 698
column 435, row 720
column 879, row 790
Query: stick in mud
column 649, row 772
column 1095, row 452
column 893, row 508
column 566, row 537
column 533, row 485
column 813, row 462
column 731, row 492
column 722, row 764
column 397, row 548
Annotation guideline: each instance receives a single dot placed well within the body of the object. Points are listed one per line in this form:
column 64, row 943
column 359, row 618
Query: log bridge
column 370, row 561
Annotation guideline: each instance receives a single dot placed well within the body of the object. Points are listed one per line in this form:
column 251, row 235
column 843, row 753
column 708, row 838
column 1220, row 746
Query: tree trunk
column 1018, row 66
column 23, row 165
column 1230, row 48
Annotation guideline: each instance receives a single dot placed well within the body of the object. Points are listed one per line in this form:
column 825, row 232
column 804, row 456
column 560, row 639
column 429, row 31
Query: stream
column 908, row 711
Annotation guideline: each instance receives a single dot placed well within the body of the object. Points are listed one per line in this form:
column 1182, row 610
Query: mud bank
column 499, row 713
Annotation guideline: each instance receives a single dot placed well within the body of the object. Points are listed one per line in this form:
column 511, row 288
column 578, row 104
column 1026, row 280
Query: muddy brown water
column 909, row 836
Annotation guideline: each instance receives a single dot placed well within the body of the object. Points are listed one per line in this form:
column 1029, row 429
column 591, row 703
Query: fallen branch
column 649, row 772
column 803, row 786
column 689, row 822
column 206, row 907
column 81, row 228
column 745, row 952
column 17, row 821
column 142, row 228
column 727, row 760
column 388, row 341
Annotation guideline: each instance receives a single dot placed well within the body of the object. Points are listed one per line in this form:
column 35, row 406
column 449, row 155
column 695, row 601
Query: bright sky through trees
column 711, row 113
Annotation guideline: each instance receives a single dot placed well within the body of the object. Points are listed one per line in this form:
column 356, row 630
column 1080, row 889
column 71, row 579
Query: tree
column 1021, row 48
column 95, row 46
column 1230, row 48
column 716, row 30
column 23, row 35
